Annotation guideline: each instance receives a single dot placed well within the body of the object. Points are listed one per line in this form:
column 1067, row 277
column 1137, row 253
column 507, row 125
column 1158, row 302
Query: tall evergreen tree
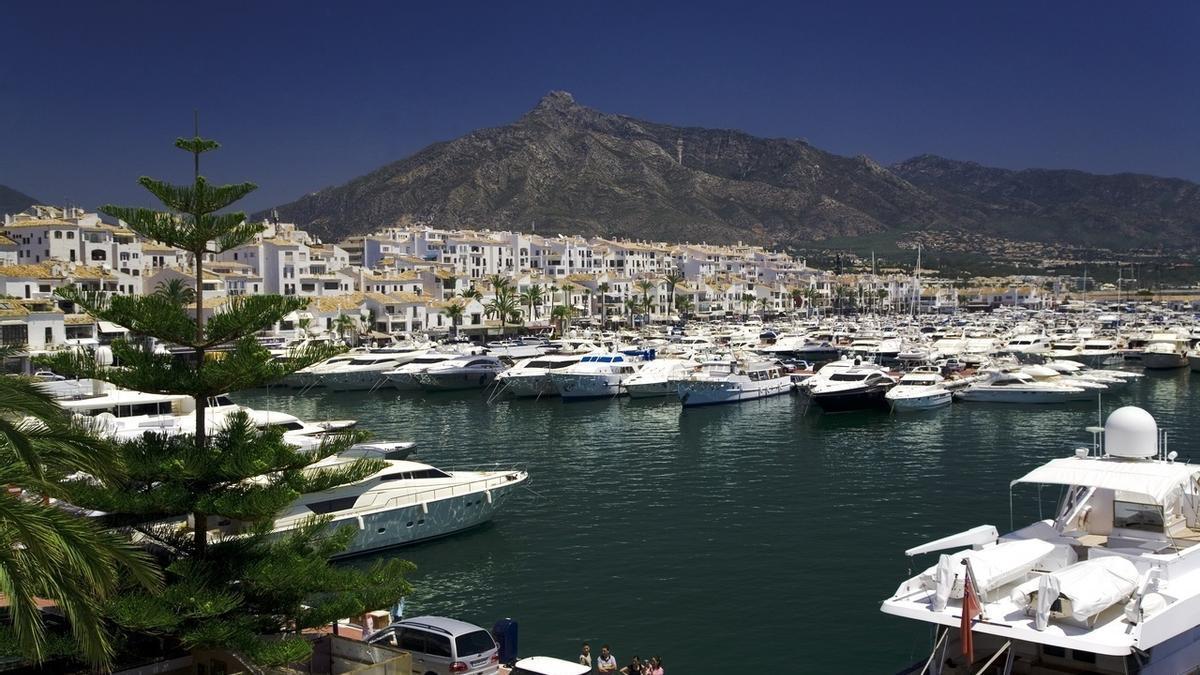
column 205, row 501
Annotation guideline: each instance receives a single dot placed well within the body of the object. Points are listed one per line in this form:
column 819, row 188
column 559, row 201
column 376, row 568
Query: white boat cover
column 1152, row 478
column 1092, row 586
column 993, row 566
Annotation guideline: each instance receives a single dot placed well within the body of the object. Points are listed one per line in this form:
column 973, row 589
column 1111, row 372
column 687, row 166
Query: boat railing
column 438, row 493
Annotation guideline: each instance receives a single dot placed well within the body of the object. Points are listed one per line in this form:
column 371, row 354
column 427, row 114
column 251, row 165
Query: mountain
column 12, row 201
column 1063, row 205
column 564, row 167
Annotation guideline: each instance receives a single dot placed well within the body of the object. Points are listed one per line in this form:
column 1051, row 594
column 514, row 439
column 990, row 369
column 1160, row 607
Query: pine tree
column 245, row 589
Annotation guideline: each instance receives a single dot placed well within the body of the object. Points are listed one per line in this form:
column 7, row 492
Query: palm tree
column 532, row 297
column 506, row 306
column 684, row 306
column 746, row 300
column 563, row 315
column 811, row 295
column 797, row 296
column 471, row 293
column 46, row 552
column 342, row 324
column 673, row 279
column 176, row 290
column 566, row 289
column 498, row 281
column 603, row 289
column 645, row 286
column 454, row 311
column 631, row 308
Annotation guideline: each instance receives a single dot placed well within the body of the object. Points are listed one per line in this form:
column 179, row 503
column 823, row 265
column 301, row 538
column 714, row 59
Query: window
column 332, row 505
column 58, row 234
column 412, row 640
column 437, row 645
column 49, row 336
column 70, row 235
column 98, row 254
column 1135, row 516
column 477, row 642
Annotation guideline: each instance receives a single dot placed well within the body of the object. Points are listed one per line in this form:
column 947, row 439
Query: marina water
column 739, row 538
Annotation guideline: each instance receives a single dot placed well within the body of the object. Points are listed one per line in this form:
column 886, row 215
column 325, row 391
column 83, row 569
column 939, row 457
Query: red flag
column 970, row 607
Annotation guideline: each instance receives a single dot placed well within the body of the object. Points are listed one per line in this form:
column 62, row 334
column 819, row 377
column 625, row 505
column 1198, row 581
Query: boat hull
column 922, row 402
column 529, row 386
column 455, row 381
column 650, row 389
column 1013, row 395
column 576, row 387
column 1163, row 360
column 848, row 401
column 711, row 393
column 421, row 522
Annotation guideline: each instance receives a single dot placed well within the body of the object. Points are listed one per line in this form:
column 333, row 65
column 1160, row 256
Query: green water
column 737, row 538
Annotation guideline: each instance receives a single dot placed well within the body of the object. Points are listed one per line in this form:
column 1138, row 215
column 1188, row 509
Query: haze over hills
column 564, row 167
column 14, row 201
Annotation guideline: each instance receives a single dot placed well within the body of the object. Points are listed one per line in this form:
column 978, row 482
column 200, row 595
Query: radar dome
column 1131, row 432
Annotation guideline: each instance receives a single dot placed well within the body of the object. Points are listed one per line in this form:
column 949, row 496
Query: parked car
column 442, row 646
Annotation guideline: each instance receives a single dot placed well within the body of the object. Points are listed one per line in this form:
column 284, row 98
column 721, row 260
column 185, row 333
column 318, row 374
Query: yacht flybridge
column 1110, row 585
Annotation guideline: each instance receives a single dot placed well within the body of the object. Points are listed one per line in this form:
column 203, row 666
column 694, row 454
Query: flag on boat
column 970, row 607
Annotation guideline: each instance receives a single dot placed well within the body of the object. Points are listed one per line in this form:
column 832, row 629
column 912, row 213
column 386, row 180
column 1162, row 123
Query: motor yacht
column 404, row 378
column 1107, row 585
column 1098, row 352
column 364, row 371
column 856, row 388
column 657, row 378
column 1029, row 346
column 1015, row 386
column 461, row 372
column 1193, row 357
column 730, row 381
column 597, row 375
column 403, row 503
column 1165, row 351
column 825, row 372
column 921, row 389
column 799, row 348
column 1046, row 374
column 531, row 377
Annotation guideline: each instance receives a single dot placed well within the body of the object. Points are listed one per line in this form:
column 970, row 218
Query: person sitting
column 634, row 667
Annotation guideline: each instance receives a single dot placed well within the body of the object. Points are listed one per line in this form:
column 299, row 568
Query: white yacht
column 827, row 371
column 921, row 389
column 461, row 372
column 1110, row 585
column 1165, row 351
column 1046, row 374
column 403, row 503
column 730, row 381
column 404, row 378
column 1193, row 357
column 656, row 378
column 363, row 371
column 1029, row 346
column 855, row 388
column 1014, row 386
column 531, row 377
column 597, row 375
column 1097, row 352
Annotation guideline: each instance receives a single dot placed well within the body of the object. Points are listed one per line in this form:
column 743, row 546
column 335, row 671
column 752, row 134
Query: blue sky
column 305, row 95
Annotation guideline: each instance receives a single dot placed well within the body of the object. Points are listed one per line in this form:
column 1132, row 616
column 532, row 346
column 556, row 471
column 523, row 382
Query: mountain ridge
column 14, row 201
column 568, row 168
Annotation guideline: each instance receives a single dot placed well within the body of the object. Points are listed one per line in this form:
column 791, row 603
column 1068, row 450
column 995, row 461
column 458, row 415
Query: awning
column 1154, row 479
column 109, row 327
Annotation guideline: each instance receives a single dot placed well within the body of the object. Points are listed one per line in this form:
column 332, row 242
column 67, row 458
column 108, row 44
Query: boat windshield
column 847, row 377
